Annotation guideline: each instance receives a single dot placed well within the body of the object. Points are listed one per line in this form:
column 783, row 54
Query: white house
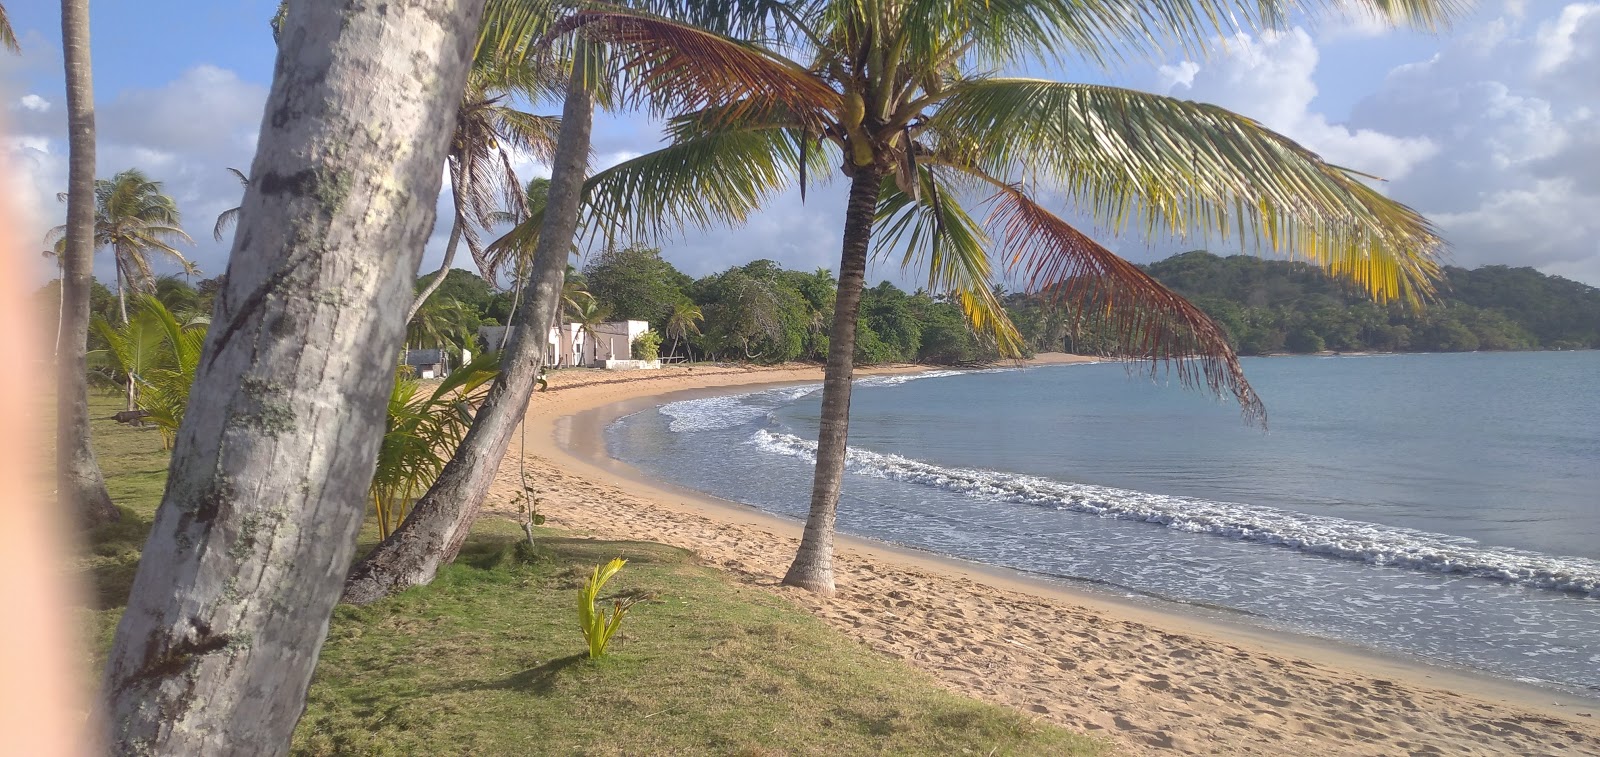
column 610, row 347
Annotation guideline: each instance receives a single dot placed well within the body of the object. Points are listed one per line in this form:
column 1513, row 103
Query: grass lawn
column 488, row 659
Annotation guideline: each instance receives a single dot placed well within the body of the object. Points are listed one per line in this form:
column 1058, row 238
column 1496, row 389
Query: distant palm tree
column 588, row 314
column 228, row 218
column 442, row 323
column 8, row 38
column 134, row 218
column 683, row 321
column 482, row 181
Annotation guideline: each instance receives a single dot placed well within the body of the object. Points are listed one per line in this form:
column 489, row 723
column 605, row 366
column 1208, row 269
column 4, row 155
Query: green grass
column 488, row 659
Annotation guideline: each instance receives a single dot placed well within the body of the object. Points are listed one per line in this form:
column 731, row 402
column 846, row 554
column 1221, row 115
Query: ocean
column 1441, row 507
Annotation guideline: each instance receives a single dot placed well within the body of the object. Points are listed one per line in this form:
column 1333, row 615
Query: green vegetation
column 485, row 661
column 647, row 346
column 599, row 628
column 423, row 430
column 1276, row 306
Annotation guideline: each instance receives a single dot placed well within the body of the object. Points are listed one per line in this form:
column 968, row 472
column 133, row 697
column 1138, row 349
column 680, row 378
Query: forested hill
column 1276, row 306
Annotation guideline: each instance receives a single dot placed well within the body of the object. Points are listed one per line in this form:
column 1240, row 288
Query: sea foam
column 1333, row 537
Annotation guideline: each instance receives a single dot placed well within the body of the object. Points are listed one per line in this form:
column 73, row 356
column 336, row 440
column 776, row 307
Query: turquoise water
column 1441, row 506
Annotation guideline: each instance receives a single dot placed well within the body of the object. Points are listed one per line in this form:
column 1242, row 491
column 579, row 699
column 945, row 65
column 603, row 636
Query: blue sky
column 1490, row 128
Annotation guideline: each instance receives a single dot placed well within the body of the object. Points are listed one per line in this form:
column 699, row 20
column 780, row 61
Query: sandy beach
column 1149, row 680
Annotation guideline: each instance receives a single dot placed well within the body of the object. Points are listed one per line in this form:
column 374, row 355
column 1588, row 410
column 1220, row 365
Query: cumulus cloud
column 1515, row 181
column 1494, row 137
column 184, row 133
column 1271, row 78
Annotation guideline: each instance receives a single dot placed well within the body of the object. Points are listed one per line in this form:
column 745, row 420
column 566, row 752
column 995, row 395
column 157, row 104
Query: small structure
column 434, row 363
column 568, row 345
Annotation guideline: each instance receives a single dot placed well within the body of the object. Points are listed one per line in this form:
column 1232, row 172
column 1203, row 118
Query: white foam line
column 1334, row 537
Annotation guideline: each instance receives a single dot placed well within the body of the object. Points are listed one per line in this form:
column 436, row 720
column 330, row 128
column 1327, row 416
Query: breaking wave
column 1333, row 537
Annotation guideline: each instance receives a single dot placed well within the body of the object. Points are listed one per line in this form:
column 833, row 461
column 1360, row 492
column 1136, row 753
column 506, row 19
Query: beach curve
column 1153, row 682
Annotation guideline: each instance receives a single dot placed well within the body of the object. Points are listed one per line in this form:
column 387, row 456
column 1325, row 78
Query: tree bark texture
column 812, row 568
column 269, row 474
column 438, row 523
column 79, row 483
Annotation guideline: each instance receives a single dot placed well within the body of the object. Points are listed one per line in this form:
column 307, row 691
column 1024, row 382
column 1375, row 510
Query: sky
column 1490, row 128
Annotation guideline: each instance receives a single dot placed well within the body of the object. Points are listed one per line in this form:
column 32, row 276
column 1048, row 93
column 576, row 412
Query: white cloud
column 34, row 103
column 1515, row 181
column 1495, row 137
column 1560, row 40
column 184, row 133
column 1271, row 78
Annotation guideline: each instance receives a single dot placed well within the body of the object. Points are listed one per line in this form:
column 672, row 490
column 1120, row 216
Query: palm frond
column 1149, row 321
column 673, row 67
column 714, row 179
column 1177, row 167
column 936, row 235
column 8, row 38
column 226, row 220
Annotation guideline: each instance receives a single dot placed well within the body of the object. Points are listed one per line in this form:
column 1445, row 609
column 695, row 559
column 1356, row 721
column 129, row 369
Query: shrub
column 647, row 346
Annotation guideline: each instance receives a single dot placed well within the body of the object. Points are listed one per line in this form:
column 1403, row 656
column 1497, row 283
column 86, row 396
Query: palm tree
column 902, row 95
column 588, row 314
column 8, row 38
column 683, row 322
column 442, row 323
column 134, row 218
column 229, row 218
column 266, row 489
column 78, row 477
column 487, row 129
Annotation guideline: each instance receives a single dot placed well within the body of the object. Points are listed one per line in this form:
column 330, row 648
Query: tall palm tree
column 684, row 321
column 903, row 96
column 8, row 38
column 135, row 218
column 487, row 129
column 229, row 218
column 79, row 481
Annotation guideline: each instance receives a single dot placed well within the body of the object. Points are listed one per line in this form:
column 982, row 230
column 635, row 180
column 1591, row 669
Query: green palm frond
column 714, row 179
column 1175, row 166
column 938, row 236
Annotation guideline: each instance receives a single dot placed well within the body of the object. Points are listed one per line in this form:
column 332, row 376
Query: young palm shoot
column 599, row 627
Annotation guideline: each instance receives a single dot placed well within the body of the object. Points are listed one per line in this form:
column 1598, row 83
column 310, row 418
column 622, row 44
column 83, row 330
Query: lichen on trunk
column 265, row 493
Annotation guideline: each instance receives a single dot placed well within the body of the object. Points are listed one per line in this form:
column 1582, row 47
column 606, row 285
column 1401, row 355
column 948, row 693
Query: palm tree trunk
column 122, row 295
column 432, row 533
column 813, row 563
column 79, row 483
column 456, row 228
column 270, row 469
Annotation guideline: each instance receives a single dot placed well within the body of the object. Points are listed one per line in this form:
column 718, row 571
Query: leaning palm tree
column 903, row 96
column 229, row 218
column 683, row 322
column 135, row 218
column 8, row 38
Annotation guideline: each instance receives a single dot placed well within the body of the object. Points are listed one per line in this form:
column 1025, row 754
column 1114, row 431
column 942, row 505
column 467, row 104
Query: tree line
column 1275, row 306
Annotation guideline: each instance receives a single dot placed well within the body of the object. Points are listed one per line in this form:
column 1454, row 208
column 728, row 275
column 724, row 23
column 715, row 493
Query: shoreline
column 1317, row 692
